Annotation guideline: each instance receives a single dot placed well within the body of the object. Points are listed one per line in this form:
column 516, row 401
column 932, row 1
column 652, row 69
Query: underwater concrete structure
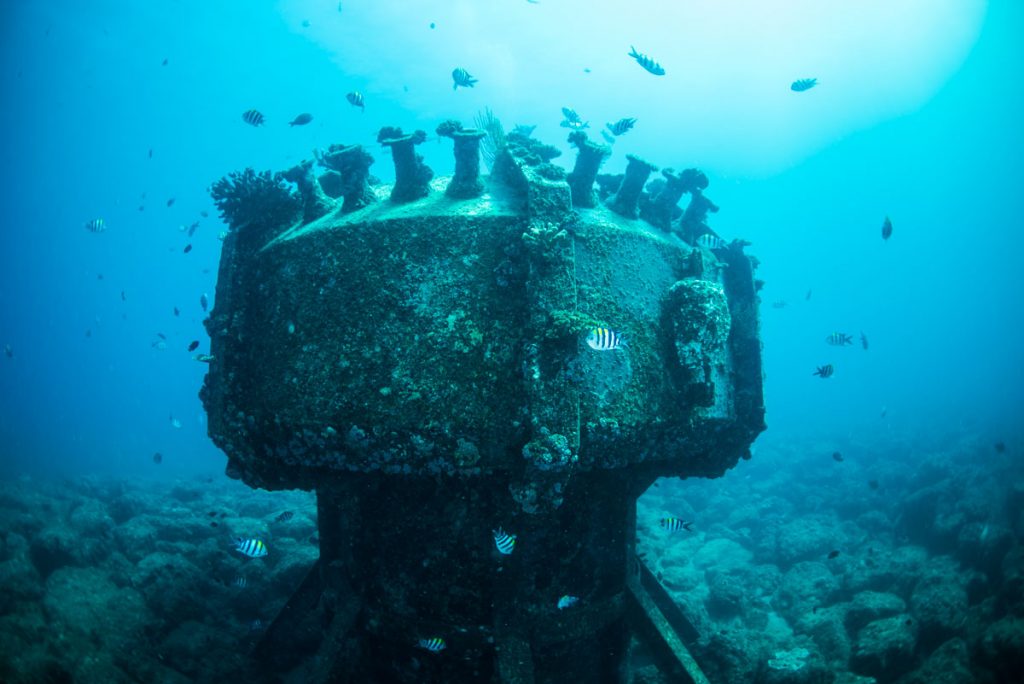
column 422, row 364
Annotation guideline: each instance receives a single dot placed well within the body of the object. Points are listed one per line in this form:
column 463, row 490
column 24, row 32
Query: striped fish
column 675, row 524
column 603, row 339
column 462, row 78
column 253, row 118
column 505, row 542
column 802, row 84
column 825, row 371
column 646, row 62
column 96, row 226
column 253, row 548
column 241, row 582
column 711, row 241
column 355, row 98
column 621, row 126
column 838, row 339
column 433, row 644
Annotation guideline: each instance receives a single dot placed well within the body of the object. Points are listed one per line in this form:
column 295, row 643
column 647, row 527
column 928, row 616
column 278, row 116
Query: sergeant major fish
column 253, row 548
column 621, row 126
column 355, row 98
column 253, row 118
column 802, row 84
column 711, row 241
column 825, row 371
column 603, row 339
column 675, row 524
column 433, row 644
column 96, row 226
column 461, row 77
column 505, row 542
column 838, row 339
column 646, row 62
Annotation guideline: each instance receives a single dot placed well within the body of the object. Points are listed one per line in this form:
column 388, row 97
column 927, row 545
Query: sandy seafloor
column 878, row 568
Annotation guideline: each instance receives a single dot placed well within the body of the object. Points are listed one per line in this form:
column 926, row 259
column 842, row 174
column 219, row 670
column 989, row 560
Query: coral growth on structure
column 466, row 182
column 588, row 162
column 626, row 199
column 412, row 176
column 315, row 202
column 348, row 176
column 246, row 197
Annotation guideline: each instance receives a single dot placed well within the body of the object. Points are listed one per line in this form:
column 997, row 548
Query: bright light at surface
column 725, row 99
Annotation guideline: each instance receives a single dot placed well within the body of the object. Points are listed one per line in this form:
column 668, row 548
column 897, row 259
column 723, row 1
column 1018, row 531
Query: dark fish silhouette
column 833, row 555
column 188, row 248
column 838, row 339
column 150, row 152
column 461, row 77
column 284, row 517
column 170, row 202
column 253, row 118
column 164, row 63
column 825, row 371
column 193, row 345
column 621, row 126
column 864, row 340
column 301, row 120
column 158, row 458
column 177, row 311
column 886, row 229
column 646, row 62
column 355, row 98
column 837, row 457
column 802, row 84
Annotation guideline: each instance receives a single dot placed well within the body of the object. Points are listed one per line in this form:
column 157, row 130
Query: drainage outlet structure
column 478, row 381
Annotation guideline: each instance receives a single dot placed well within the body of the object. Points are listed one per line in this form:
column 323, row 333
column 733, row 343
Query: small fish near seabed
column 285, row 516
column 825, row 371
column 253, row 118
column 621, row 126
column 832, row 555
column 886, row 228
column 802, row 84
column 461, row 77
column 646, row 62
column 837, row 457
column 433, row 644
column 96, row 225
column 355, row 98
column 567, row 602
column 603, row 339
column 253, row 548
column 675, row 524
column 838, row 339
column 301, row 120
column 241, row 582
column 505, row 542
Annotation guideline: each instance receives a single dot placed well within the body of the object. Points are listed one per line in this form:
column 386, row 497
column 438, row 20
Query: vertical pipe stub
column 588, row 162
column 466, row 182
column 625, row 201
column 662, row 209
column 351, row 165
column 315, row 203
column 692, row 224
column 412, row 176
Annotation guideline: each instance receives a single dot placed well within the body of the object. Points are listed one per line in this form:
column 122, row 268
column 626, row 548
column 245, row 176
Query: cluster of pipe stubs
column 631, row 195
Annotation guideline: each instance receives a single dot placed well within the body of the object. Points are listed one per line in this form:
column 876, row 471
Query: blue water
column 915, row 117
